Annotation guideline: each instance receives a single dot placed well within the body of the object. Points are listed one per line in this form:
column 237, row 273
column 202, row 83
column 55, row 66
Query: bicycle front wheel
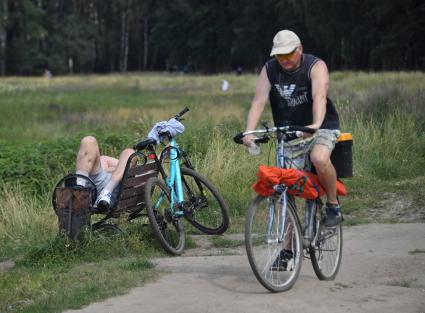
column 326, row 252
column 205, row 209
column 166, row 226
column 275, row 262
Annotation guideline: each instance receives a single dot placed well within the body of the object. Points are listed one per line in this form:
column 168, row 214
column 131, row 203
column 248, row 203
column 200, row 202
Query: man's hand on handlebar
column 308, row 135
column 248, row 140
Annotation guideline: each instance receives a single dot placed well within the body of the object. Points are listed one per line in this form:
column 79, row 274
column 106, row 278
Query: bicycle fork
column 310, row 212
column 281, row 219
column 312, row 224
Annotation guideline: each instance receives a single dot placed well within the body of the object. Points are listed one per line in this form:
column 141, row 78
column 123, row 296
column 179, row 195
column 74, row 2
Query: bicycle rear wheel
column 205, row 209
column 168, row 229
column 263, row 247
column 326, row 253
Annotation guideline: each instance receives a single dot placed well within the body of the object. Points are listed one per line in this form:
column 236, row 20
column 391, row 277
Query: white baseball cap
column 285, row 42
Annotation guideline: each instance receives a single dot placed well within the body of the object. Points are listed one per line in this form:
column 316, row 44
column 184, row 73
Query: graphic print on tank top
column 291, row 95
column 286, row 92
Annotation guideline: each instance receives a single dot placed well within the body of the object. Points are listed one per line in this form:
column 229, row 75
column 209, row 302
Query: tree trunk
column 3, row 39
column 145, row 44
column 124, row 39
column 94, row 19
column 70, row 65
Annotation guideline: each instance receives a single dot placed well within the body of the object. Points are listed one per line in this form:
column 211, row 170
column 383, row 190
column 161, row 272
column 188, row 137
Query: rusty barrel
column 73, row 210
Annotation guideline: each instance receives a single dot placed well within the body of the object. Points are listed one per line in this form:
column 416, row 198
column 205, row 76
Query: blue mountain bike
column 180, row 193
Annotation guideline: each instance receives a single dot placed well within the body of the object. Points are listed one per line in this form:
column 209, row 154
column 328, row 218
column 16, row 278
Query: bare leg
column 88, row 157
column 321, row 159
column 117, row 167
column 122, row 162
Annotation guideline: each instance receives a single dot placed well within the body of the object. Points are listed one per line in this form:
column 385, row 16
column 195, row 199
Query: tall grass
column 391, row 149
column 389, row 127
column 24, row 221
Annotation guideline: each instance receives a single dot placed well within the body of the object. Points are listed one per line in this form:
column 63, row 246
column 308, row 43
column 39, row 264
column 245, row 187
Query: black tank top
column 291, row 98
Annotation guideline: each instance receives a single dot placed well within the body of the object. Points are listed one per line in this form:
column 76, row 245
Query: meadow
column 42, row 121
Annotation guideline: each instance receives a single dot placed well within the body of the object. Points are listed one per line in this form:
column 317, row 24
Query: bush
column 37, row 166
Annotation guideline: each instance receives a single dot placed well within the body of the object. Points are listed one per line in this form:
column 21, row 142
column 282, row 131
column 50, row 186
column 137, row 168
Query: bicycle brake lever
column 264, row 139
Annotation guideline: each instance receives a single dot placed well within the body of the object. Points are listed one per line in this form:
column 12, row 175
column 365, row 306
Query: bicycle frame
column 174, row 181
column 310, row 209
column 280, row 160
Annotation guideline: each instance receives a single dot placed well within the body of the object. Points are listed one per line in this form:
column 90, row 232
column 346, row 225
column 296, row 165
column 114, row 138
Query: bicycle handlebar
column 181, row 113
column 282, row 129
column 149, row 141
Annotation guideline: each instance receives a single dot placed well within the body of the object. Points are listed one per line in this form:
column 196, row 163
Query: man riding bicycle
column 297, row 86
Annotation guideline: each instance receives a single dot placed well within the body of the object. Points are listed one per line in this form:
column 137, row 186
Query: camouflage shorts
column 327, row 137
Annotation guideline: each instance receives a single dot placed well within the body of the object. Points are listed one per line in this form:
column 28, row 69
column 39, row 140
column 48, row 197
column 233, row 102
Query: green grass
column 43, row 121
column 53, row 288
column 60, row 274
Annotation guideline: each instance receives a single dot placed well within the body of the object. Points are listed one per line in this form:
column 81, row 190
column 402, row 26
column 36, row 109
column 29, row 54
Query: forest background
column 95, row 36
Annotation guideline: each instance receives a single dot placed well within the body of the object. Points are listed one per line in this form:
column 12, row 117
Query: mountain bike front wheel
column 275, row 259
column 326, row 253
column 205, row 209
column 166, row 226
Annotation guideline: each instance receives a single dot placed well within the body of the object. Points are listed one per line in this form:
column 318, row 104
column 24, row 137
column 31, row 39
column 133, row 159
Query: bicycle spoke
column 265, row 251
column 327, row 252
column 166, row 227
column 205, row 209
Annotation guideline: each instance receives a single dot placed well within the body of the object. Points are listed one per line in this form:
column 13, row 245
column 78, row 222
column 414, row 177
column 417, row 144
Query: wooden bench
column 130, row 199
column 131, row 192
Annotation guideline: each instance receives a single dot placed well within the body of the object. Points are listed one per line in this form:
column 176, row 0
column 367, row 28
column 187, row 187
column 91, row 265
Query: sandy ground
column 383, row 270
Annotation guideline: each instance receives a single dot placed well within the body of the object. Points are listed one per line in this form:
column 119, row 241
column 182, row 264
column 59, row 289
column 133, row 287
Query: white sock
column 110, row 186
column 80, row 180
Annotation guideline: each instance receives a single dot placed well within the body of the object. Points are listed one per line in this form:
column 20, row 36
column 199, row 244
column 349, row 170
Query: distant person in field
column 106, row 172
column 297, row 86
column 47, row 74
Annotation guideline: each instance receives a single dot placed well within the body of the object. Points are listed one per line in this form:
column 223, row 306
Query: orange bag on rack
column 302, row 184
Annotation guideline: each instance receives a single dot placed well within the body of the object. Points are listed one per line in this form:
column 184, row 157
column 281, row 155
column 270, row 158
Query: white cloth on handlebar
column 173, row 127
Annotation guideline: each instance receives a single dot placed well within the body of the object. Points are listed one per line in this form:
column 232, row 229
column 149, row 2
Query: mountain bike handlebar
column 264, row 132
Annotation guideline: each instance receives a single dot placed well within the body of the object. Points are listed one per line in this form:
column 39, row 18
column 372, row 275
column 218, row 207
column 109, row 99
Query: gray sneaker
column 283, row 261
column 333, row 215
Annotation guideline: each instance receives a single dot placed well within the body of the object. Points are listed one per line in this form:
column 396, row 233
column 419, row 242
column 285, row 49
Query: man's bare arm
column 320, row 83
column 258, row 103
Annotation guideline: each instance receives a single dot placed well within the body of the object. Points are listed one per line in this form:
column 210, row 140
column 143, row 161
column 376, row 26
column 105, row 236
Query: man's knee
column 321, row 161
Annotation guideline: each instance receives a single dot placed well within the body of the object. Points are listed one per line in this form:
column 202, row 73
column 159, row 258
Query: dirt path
column 383, row 270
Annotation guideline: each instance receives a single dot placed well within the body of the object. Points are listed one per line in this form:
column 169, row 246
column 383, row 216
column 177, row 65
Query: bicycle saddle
column 144, row 143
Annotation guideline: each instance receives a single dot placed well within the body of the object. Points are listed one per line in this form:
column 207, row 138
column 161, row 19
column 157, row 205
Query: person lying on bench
column 106, row 172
